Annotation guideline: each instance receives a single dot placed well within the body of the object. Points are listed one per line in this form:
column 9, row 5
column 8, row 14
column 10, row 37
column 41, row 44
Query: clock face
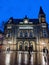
column 25, row 21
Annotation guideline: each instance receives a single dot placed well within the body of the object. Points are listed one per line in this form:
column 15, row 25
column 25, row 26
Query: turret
column 42, row 17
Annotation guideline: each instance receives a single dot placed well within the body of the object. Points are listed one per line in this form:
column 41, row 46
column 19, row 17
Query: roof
column 17, row 21
column 41, row 11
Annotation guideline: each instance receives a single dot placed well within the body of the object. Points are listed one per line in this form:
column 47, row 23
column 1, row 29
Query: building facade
column 20, row 34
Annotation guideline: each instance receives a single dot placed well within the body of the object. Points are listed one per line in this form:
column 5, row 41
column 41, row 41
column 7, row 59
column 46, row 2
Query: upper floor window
column 31, row 34
column 44, row 33
column 26, row 34
column 21, row 34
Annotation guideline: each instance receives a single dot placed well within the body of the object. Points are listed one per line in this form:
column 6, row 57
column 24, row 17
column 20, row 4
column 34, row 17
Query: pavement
column 22, row 58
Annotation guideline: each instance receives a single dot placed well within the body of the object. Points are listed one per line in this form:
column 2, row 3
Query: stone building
column 20, row 34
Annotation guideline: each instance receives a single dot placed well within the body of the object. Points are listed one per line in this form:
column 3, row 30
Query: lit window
column 44, row 33
column 9, row 42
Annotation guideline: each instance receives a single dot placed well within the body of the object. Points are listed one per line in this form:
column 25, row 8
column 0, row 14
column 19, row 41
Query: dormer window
column 25, row 21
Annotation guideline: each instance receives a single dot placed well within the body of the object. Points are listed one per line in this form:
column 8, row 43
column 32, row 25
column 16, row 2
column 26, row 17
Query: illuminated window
column 9, row 42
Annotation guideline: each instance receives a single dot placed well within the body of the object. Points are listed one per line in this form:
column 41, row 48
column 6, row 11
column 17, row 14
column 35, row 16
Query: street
column 22, row 58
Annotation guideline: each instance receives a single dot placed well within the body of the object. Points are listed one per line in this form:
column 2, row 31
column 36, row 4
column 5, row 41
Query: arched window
column 26, row 34
column 21, row 34
column 31, row 34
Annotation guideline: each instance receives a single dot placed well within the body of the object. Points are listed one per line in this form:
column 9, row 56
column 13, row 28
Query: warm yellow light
column 9, row 42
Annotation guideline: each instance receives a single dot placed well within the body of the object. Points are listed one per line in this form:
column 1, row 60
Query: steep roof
column 41, row 11
column 17, row 21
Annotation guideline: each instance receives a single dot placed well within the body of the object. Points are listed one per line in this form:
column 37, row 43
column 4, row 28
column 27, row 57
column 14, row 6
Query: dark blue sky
column 20, row 8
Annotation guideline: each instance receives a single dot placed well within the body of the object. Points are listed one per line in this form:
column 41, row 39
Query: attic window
column 26, row 21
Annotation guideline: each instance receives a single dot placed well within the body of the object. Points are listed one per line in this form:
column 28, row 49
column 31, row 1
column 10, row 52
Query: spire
column 41, row 12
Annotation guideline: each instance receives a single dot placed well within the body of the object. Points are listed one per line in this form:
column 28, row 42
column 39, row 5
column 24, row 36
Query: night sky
column 20, row 8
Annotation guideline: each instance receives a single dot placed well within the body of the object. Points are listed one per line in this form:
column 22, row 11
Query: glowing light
column 9, row 42
column 43, row 43
column 26, row 21
column 27, row 27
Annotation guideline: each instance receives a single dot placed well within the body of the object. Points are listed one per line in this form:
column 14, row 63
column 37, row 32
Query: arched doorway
column 32, row 45
column 26, row 43
column 26, row 48
column 20, row 45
